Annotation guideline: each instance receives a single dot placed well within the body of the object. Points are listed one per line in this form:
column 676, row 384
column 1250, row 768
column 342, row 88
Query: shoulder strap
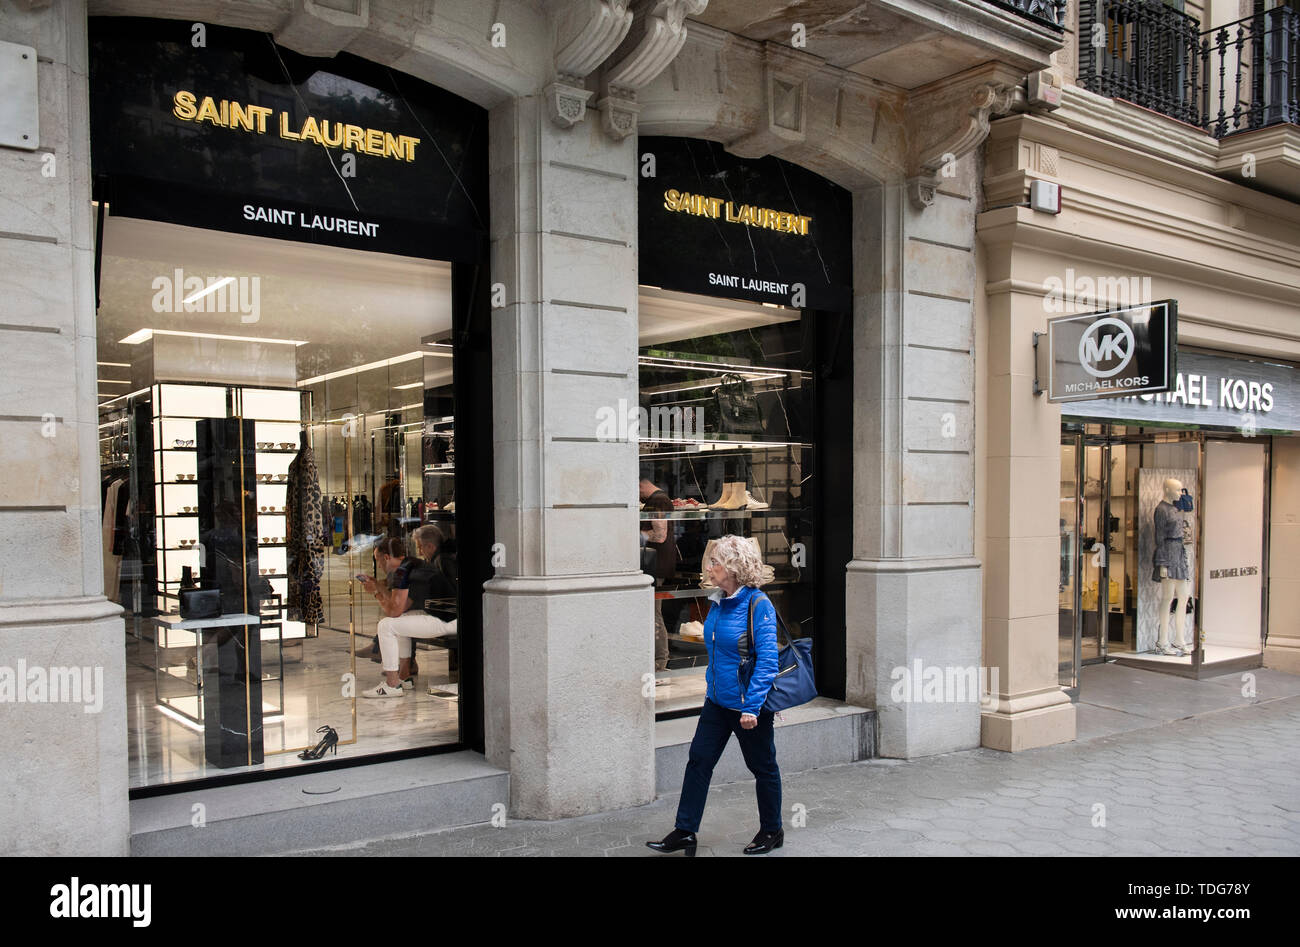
column 780, row 624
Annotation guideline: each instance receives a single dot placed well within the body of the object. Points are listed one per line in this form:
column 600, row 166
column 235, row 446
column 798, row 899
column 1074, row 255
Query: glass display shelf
column 706, row 514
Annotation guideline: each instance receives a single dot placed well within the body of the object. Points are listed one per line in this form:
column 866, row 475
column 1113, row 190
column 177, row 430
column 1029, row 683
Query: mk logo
column 1094, row 350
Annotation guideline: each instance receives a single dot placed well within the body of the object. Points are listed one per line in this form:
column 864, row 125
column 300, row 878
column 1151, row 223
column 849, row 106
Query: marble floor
column 679, row 689
column 165, row 747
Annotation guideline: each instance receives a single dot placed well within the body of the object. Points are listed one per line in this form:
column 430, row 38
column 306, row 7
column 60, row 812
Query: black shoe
column 328, row 742
column 764, row 842
column 676, row 841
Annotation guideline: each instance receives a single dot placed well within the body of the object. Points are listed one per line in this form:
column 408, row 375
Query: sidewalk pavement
column 1163, row 766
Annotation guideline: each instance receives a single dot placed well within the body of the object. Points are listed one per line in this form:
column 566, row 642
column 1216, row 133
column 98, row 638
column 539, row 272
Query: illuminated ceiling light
column 414, row 384
column 369, row 366
column 114, row 364
column 144, row 335
column 200, row 293
column 113, row 381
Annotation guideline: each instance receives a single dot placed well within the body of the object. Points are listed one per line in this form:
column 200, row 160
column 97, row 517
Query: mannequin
column 1169, row 566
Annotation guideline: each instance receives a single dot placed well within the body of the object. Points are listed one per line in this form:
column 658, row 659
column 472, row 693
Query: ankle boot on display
column 736, row 499
column 721, row 502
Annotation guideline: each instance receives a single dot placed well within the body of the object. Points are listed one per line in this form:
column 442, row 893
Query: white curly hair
column 738, row 556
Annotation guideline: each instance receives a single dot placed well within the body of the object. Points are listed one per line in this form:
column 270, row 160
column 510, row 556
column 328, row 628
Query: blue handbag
column 1184, row 501
column 794, row 683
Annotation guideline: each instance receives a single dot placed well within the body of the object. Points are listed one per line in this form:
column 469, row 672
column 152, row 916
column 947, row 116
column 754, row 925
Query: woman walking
column 729, row 705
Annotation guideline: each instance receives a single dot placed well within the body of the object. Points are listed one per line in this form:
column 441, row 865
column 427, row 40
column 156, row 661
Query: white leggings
column 414, row 624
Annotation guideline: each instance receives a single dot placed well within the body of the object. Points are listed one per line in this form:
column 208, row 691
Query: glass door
column 1094, row 551
column 1085, row 593
column 1068, row 588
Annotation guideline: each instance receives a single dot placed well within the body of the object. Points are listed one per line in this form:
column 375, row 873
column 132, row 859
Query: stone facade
column 568, row 86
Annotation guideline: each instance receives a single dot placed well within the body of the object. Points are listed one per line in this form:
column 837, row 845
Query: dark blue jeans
column 716, row 726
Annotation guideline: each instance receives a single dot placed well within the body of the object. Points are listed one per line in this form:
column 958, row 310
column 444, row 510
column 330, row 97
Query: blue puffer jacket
column 727, row 643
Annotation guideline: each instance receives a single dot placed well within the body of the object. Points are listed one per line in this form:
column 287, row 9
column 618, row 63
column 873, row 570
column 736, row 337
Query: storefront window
column 276, row 397
column 729, row 445
column 746, row 394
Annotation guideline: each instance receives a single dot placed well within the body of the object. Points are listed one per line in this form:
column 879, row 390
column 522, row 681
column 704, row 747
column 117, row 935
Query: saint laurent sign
column 250, row 138
column 763, row 230
column 255, row 118
column 750, row 214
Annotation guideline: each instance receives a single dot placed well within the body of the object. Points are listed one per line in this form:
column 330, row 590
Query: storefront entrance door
column 1085, row 592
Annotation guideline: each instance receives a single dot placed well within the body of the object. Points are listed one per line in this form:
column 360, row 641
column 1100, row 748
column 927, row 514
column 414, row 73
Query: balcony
column 1258, row 72
column 1145, row 52
column 1239, row 82
column 1047, row 12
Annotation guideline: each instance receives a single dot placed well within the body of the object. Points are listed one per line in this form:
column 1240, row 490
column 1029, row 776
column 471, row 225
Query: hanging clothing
column 361, row 515
column 112, row 551
column 304, row 540
column 1169, row 551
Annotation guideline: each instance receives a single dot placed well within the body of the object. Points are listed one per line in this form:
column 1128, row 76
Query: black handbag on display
column 200, row 603
column 738, row 411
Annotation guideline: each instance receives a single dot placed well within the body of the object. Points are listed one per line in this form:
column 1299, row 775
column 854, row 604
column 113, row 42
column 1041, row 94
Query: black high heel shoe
column 764, row 842
column 676, row 841
column 328, row 742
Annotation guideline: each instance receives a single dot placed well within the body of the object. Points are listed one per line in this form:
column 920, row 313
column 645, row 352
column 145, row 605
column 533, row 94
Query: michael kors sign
column 1111, row 354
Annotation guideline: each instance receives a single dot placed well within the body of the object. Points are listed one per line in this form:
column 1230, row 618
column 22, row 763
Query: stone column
column 567, row 621
column 1021, row 514
column 1283, row 648
column 64, row 776
column 913, row 587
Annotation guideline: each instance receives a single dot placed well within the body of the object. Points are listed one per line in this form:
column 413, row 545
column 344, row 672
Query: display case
column 726, row 437
column 275, row 415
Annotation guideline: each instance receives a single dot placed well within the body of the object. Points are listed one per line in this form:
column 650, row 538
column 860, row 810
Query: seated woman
column 410, row 583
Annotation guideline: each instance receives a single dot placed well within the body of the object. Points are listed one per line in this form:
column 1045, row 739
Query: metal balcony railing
column 1145, row 52
column 1233, row 78
column 1257, row 80
column 1047, row 12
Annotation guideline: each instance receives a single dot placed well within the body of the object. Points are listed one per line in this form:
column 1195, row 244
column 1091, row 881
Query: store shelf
column 714, row 514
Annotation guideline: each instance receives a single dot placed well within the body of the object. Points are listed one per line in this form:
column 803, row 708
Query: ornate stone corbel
column 657, row 35
column 920, row 191
column 618, row 112
column 948, row 120
column 587, row 31
column 566, row 102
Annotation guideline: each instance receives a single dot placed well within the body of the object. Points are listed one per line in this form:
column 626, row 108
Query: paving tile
column 1223, row 784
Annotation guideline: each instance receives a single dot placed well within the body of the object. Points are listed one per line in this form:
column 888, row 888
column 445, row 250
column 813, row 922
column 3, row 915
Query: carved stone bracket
column 948, row 120
column 618, row 112
column 566, row 101
column 657, row 35
column 587, row 31
column 920, row 191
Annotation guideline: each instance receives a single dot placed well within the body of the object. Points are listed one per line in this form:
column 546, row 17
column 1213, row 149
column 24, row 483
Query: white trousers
column 414, row 624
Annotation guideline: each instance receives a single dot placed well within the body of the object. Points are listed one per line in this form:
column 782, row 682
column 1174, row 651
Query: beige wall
column 1135, row 203
column 1282, row 650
